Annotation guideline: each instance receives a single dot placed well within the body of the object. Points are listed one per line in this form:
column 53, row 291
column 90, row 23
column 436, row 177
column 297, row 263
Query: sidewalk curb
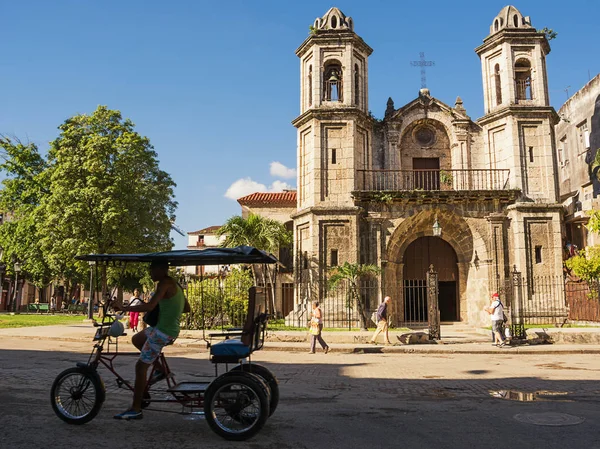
column 380, row 349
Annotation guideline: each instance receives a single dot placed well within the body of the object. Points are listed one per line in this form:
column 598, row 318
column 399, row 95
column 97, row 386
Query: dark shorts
column 497, row 325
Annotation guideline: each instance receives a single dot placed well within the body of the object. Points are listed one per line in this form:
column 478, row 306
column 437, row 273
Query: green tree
column 99, row 190
column 23, row 187
column 108, row 194
column 352, row 274
column 262, row 233
column 586, row 265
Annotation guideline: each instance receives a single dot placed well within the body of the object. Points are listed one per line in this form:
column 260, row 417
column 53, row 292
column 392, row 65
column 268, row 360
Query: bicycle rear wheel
column 77, row 395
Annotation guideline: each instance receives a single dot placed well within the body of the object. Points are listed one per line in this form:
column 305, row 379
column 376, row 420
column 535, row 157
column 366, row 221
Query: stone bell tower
column 334, row 141
column 518, row 134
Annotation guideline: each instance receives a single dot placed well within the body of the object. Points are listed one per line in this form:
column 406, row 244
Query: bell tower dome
column 513, row 59
column 334, row 64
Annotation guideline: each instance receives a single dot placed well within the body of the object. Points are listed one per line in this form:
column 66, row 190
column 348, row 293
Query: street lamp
column 17, row 268
column 92, row 292
column 437, row 229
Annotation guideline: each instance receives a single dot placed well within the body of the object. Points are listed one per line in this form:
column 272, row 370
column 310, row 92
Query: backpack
column 374, row 317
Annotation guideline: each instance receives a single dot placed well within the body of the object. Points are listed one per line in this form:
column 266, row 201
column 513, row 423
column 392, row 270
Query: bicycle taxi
column 236, row 404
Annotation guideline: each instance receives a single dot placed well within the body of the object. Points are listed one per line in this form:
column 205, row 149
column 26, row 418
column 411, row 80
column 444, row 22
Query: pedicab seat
column 230, row 348
column 234, row 350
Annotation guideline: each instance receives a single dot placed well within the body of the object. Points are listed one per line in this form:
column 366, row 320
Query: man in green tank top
column 171, row 301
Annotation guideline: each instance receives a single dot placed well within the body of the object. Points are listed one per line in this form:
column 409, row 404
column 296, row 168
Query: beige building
column 277, row 206
column 578, row 141
column 371, row 190
column 204, row 238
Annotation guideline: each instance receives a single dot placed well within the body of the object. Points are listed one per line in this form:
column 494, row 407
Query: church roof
column 334, row 19
column 426, row 100
column 509, row 17
column 286, row 199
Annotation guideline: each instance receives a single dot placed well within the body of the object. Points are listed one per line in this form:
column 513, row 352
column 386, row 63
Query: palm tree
column 353, row 273
column 260, row 232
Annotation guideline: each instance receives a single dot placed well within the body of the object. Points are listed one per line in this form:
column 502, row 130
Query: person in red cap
column 496, row 311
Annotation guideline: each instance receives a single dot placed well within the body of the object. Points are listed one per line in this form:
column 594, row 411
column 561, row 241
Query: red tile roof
column 209, row 230
column 287, row 199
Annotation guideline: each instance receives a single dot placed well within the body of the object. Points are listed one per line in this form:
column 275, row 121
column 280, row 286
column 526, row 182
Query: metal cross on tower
column 422, row 63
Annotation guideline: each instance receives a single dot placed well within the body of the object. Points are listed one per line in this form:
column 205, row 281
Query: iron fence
column 216, row 303
column 340, row 306
column 452, row 179
column 583, row 300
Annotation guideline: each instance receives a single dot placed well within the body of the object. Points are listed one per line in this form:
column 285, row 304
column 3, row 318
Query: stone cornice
column 328, row 210
column 331, row 114
column 535, row 207
column 333, row 37
column 518, row 111
column 514, row 36
column 439, row 196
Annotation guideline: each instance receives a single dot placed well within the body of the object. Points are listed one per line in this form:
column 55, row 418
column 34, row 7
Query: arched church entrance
column 418, row 257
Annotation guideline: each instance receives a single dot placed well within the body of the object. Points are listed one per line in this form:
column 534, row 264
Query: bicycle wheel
column 268, row 377
column 77, row 395
column 236, row 405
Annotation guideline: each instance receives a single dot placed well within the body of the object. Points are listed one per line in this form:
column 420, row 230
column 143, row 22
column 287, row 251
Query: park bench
column 39, row 307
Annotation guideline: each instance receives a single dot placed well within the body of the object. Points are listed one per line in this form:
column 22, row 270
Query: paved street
column 327, row 401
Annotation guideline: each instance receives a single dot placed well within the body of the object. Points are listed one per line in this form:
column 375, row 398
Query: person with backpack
column 496, row 311
column 382, row 322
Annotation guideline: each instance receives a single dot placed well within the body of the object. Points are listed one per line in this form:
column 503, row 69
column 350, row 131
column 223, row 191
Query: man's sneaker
column 129, row 414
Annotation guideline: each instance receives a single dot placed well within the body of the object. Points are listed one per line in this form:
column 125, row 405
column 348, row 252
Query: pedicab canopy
column 208, row 256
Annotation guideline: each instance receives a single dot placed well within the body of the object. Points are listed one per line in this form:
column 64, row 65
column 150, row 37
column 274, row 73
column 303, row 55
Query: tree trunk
column 362, row 317
column 273, row 279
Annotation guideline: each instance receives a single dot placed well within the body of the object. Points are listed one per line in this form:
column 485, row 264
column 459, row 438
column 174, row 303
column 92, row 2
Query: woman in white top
column 496, row 311
column 316, row 324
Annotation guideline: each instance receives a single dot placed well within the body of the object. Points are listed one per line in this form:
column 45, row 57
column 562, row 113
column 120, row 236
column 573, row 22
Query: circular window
column 424, row 136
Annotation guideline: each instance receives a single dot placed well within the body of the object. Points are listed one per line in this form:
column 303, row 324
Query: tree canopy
column 98, row 190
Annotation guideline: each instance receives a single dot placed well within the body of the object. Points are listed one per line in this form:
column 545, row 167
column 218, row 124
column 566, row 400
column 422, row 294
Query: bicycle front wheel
column 77, row 395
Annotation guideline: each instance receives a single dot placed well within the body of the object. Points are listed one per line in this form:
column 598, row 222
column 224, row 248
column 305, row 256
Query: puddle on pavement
column 528, row 396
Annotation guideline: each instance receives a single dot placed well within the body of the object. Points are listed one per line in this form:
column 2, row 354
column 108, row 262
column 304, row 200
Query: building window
column 583, row 136
column 496, row 25
column 562, row 151
column 523, row 80
column 333, row 259
column 538, row 254
column 310, row 86
column 356, row 86
column 531, row 154
column 333, row 156
column 332, row 82
column 516, row 20
column 305, row 260
column 497, row 84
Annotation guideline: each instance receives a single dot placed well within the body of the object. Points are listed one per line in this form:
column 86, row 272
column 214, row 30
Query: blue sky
column 215, row 85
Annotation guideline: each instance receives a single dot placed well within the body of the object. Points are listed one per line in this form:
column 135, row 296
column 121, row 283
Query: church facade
column 426, row 185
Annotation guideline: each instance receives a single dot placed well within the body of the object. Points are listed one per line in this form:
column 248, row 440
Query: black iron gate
column 533, row 300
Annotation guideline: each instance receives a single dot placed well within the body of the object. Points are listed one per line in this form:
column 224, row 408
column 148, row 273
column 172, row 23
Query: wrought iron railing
column 457, row 180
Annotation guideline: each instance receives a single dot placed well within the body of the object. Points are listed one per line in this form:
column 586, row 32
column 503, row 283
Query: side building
column 578, row 156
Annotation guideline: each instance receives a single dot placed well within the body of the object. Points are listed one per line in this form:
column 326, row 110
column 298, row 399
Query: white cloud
column 246, row 186
column 279, row 186
column 281, row 171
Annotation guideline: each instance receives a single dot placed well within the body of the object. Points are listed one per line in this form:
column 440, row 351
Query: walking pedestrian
column 135, row 300
column 382, row 322
column 316, row 327
column 496, row 311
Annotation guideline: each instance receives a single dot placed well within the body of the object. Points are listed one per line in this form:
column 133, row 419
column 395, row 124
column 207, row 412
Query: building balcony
column 435, row 184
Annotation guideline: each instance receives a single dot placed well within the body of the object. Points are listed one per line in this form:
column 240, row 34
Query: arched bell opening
column 332, row 82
